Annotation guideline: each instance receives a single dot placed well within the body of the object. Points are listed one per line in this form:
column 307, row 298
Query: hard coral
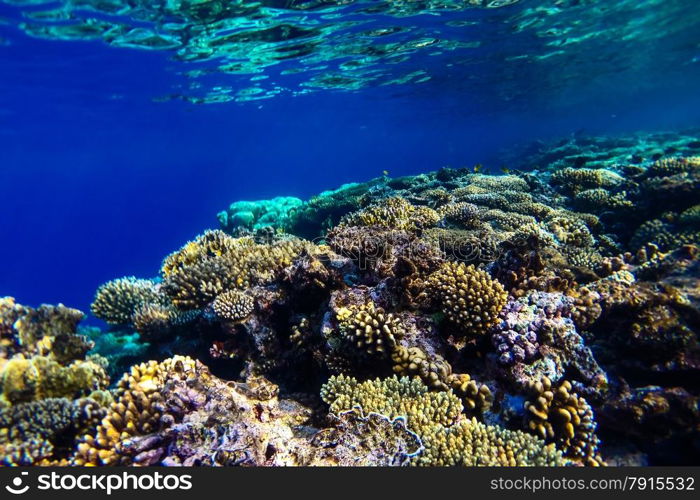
column 394, row 213
column 214, row 263
column 467, row 296
column 448, row 437
column 559, row 415
column 233, row 305
column 117, row 300
column 370, row 328
column 44, row 431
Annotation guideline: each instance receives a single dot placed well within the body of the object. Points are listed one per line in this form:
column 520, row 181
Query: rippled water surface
column 506, row 50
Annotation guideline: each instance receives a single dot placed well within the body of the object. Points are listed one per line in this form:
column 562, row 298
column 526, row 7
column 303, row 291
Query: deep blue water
column 109, row 159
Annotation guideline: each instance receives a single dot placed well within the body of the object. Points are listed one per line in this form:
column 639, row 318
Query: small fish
column 505, row 170
column 478, row 168
column 386, row 173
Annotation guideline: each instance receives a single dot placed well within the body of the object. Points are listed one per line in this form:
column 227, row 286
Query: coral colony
column 544, row 316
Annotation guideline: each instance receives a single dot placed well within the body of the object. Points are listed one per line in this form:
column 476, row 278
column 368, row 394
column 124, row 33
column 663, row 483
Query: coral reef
column 448, row 438
column 50, row 388
column 547, row 316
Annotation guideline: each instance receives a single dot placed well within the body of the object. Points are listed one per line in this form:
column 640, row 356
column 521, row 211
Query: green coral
column 259, row 214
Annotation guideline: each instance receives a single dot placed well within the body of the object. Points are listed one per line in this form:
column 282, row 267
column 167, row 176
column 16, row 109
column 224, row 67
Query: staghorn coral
column 467, row 296
column 448, row 437
column 116, row 301
column 233, row 305
column 557, row 414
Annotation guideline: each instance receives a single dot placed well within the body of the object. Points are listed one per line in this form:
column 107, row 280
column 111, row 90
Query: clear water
column 126, row 126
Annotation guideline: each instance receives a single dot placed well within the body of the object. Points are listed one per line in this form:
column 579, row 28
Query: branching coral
column 117, row 300
column 467, row 296
column 136, row 411
column 233, row 305
column 214, row 263
column 370, row 328
column 43, row 431
column 434, row 371
column 42, row 377
column 153, row 320
column 575, row 180
column 448, row 437
column 559, row 415
column 670, row 166
column 394, row 213
column 42, row 356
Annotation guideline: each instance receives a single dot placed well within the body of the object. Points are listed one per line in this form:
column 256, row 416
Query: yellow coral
column 215, row 263
column 467, row 296
column 117, row 300
column 394, row 213
column 435, row 372
column 135, row 411
column 233, row 305
column 448, row 437
column 370, row 328
column 39, row 377
column 559, row 415
column 575, row 180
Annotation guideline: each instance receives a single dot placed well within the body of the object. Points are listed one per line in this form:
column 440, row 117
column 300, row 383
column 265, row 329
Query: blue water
column 113, row 154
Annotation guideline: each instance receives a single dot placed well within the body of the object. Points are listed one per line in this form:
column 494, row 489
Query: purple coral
column 515, row 337
column 536, row 337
